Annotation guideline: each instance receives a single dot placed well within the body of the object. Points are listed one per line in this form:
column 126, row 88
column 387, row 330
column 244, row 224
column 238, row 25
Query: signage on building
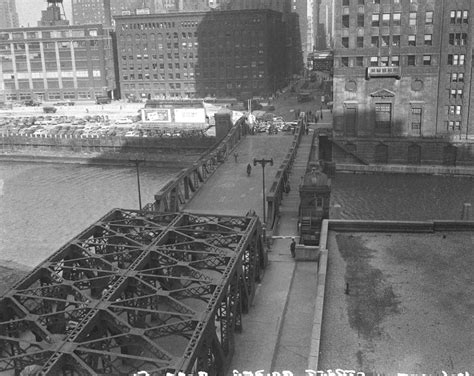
column 383, row 72
column 157, row 115
column 140, row 12
column 126, row 13
column 189, row 115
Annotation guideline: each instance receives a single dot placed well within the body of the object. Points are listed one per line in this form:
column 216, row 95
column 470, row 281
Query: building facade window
column 345, row 21
column 411, row 60
column 360, row 42
column 428, row 39
column 416, row 114
column 345, row 42
column 412, row 19
column 396, row 40
column 375, row 20
column 429, row 18
column 360, row 20
column 375, row 41
column 383, row 118
column 456, row 59
column 396, row 19
column 426, row 59
column 412, row 40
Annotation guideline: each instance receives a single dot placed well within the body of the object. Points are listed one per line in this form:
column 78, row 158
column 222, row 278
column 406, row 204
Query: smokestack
column 107, row 13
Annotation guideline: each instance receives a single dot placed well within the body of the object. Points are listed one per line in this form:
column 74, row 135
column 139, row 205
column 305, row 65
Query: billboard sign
column 190, row 115
column 159, row 115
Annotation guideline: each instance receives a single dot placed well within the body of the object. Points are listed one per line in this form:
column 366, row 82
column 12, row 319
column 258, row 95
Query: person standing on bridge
column 293, row 247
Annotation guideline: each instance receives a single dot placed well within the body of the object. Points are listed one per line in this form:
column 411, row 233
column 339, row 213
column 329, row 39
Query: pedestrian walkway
column 276, row 330
column 293, row 345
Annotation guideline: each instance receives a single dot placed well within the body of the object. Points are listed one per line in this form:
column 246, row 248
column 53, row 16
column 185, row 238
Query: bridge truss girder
column 136, row 291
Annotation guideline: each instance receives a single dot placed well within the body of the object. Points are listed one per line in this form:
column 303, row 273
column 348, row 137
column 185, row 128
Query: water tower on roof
column 54, row 15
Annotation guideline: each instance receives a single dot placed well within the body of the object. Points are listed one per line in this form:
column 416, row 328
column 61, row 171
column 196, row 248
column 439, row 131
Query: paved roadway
column 276, row 331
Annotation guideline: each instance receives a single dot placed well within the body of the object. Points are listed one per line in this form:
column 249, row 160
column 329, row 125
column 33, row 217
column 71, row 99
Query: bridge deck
column 276, row 331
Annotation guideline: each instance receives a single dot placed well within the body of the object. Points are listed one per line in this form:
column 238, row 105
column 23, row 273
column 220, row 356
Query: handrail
column 181, row 189
column 277, row 188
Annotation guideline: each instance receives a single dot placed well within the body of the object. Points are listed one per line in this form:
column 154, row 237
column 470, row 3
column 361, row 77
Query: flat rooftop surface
column 410, row 304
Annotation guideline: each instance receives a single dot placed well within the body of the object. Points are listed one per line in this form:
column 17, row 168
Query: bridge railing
column 182, row 188
column 275, row 194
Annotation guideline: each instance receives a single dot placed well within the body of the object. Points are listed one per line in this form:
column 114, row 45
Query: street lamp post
column 263, row 162
column 137, row 163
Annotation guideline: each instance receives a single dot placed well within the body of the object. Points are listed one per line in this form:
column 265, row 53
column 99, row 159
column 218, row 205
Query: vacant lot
column 410, row 306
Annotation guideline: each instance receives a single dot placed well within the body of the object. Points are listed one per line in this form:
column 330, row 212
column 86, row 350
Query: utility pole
column 137, row 164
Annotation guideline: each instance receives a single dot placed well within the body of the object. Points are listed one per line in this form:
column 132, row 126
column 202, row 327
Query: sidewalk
column 277, row 330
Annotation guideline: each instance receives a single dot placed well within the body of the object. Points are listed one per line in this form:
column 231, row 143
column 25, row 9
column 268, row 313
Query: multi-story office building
column 55, row 63
column 305, row 9
column 8, row 14
column 402, row 70
column 324, row 24
column 99, row 11
column 196, row 54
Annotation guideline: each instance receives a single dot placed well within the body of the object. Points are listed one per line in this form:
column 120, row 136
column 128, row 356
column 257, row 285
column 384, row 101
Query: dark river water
column 42, row 206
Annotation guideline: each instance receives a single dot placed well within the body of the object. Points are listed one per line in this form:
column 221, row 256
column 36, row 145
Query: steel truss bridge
column 136, row 291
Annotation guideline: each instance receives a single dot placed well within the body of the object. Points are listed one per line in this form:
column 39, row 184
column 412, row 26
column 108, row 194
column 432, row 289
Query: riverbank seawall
column 463, row 171
column 163, row 151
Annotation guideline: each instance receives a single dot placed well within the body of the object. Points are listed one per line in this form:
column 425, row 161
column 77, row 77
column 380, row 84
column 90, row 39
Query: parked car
column 102, row 100
column 31, row 103
column 49, row 110
column 67, row 103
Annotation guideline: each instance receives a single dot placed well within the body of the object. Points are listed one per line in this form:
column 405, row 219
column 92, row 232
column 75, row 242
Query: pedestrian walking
column 249, row 169
column 236, row 155
column 293, row 247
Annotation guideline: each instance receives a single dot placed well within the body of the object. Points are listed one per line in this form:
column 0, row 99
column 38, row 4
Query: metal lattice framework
column 136, row 291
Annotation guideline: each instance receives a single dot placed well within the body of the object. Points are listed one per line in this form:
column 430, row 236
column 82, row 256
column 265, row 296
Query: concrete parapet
column 307, row 253
column 453, row 225
column 380, row 226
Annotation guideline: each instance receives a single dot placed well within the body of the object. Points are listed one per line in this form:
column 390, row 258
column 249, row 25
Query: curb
column 280, row 324
column 313, row 358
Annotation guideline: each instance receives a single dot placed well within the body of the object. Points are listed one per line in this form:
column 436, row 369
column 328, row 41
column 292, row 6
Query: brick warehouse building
column 197, row 54
column 402, row 81
column 56, row 63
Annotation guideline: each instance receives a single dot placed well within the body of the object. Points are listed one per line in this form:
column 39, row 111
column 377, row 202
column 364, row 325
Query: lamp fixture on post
column 263, row 162
column 137, row 163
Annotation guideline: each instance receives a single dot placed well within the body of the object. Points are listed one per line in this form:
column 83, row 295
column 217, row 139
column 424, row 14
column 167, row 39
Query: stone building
column 196, row 54
column 402, row 74
column 56, row 63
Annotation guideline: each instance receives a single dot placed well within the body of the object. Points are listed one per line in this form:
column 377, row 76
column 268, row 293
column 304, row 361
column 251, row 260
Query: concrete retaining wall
column 400, row 151
column 404, row 169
